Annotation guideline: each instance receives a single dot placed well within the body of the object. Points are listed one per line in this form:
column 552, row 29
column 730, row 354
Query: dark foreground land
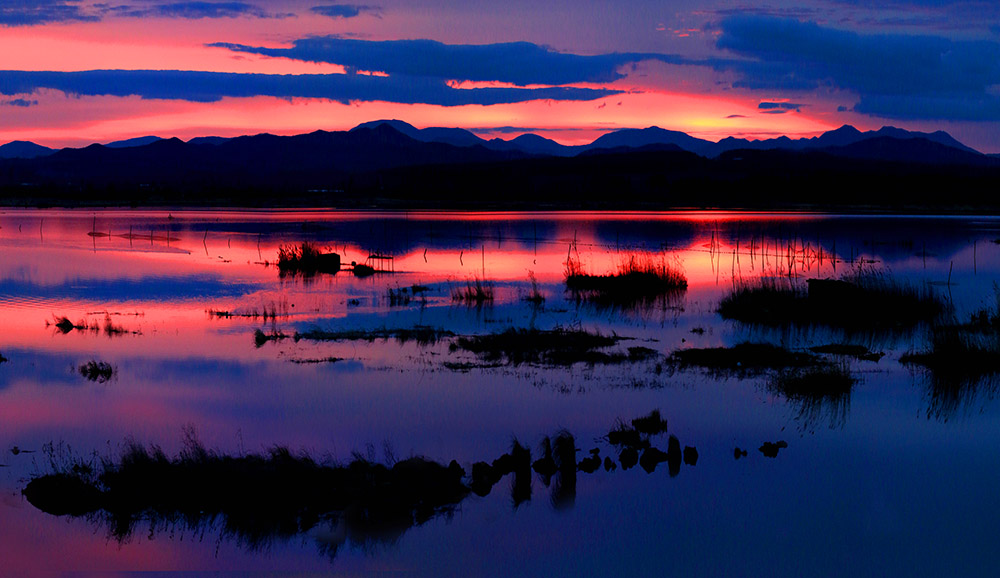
column 382, row 167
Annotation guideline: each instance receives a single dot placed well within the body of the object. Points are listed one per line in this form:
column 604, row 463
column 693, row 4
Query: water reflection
column 258, row 500
column 415, row 356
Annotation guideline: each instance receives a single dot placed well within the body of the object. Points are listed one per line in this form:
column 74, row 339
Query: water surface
column 897, row 478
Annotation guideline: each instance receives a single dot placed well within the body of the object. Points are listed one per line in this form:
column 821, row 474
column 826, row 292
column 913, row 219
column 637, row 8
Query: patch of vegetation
column 306, row 259
column 640, row 278
column 63, row 325
column 859, row 352
column 421, row 334
column 476, row 292
column 534, row 295
column 963, row 359
column 865, row 300
column 313, row 361
column 818, row 392
column 98, row 371
column 259, row 497
column 402, row 296
column 560, row 347
column 260, row 338
column 750, row 358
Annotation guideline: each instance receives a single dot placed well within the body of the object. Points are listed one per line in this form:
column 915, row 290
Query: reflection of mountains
column 259, row 500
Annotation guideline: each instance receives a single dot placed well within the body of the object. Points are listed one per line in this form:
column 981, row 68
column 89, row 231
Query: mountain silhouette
column 20, row 149
column 392, row 163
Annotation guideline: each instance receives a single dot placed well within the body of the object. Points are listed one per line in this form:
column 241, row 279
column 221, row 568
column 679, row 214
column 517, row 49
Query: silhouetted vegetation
column 862, row 301
column 420, row 334
column 63, row 325
column 823, row 391
column 963, row 359
column 99, row 371
column 750, row 358
column 548, row 347
column 3, row 359
column 639, row 279
column 770, row 449
column 260, row 498
column 260, row 338
column 256, row 498
column 859, row 352
column 306, row 259
column 476, row 292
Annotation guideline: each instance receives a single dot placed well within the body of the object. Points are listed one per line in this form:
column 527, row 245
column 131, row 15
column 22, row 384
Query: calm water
column 900, row 478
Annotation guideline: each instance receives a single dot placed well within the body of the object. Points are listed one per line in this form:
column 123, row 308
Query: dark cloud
column 36, row 12
column 894, row 75
column 20, row 102
column 520, row 63
column 736, row 116
column 345, row 10
column 214, row 86
column 195, row 10
column 779, row 107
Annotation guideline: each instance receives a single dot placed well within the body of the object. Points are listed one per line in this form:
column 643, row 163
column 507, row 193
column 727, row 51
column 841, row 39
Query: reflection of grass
column 859, row 352
column 260, row 338
column 64, row 325
column 306, row 259
column 817, row 391
column 259, row 497
column 744, row 358
column 476, row 292
column 639, row 278
column 420, row 334
column 99, row 371
column 552, row 347
column 961, row 361
column 863, row 300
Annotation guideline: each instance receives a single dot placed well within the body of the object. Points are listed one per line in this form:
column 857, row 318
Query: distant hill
column 133, row 142
column 20, row 149
column 392, row 163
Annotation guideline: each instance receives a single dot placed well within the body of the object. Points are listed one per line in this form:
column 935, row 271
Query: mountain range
column 534, row 145
column 392, row 163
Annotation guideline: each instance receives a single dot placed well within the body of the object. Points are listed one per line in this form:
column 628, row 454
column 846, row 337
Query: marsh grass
column 963, row 360
column 97, row 371
column 421, row 334
column 305, row 259
column 260, row 338
column 744, row 358
column 258, row 497
column 63, row 325
column 822, row 392
column 476, row 292
column 640, row 278
column 862, row 300
column 556, row 347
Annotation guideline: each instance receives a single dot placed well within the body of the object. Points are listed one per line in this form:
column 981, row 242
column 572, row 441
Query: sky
column 73, row 72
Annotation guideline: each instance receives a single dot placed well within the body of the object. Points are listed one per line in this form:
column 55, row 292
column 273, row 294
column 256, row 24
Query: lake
column 157, row 328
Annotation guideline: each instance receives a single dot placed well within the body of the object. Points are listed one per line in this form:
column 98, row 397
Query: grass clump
column 823, row 391
column 560, row 347
column 260, row 338
column 421, row 334
column 306, row 259
column 639, row 278
column 860, row 301
column 254, row 499
column 476, row 292
column 97, row 371
column 744, row 358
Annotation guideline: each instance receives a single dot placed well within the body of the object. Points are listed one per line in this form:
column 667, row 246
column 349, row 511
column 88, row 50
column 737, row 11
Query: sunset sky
column 74, row 72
